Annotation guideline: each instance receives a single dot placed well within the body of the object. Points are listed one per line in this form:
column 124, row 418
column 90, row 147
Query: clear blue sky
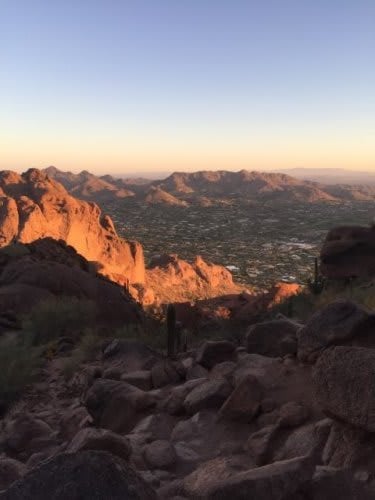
column 119, row 85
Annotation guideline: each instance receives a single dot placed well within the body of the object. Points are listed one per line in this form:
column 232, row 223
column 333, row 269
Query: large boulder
column 86, row 475
column 213, row 352
column 344, row 380
column 277, row 481
column 349, row 251
column 334, row 324
column 117, row 406
column 244, row 402
column 273, row 338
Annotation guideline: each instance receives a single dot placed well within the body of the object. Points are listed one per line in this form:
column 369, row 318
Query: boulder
column 205, row 477
column 23, row 434
column 255, row 365
column 244, row 402
column 174, row 403
column 85, row 475
column 277, row 481
column 344, row 381
column 223, row 370
column 274, row 338
column 72, row 421
column 100, row 440
column 293, row 414
column 196, row 372
column 211, row 394
column 213, row 352
column 166, row 372
column 117, row 406
column 139, row 378
column 328, row 483
column 261, row 443
column 347, row 252
column 334, row 324
column 10, row 471
column 126, row 356
column 160, row 454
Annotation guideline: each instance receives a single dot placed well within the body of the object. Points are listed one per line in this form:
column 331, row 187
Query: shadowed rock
column 85, row 475
column 344, row 379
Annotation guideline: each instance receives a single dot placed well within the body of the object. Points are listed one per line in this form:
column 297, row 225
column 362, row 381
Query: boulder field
column 289, row 415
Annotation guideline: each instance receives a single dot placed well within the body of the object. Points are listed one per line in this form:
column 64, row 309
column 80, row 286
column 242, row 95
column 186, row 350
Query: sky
column 126, row 86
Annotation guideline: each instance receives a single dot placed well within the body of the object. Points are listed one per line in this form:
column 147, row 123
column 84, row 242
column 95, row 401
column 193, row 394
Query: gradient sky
column 126, row 85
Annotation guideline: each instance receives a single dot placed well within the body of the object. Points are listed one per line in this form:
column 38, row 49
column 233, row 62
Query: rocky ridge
column 35, row 206
column 210, row 187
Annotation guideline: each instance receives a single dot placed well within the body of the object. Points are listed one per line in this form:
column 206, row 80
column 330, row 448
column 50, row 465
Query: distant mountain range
column 210, row 187
column 332, row 175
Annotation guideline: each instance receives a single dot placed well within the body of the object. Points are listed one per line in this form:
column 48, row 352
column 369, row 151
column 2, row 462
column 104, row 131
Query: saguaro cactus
column 316, row 285
column 171, row 330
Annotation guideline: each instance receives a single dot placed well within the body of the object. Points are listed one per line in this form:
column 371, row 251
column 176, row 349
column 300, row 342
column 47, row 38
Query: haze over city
column 147, row 86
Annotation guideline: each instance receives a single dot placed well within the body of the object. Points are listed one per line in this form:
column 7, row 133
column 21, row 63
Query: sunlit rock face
column 34, row 206
column 349, row 251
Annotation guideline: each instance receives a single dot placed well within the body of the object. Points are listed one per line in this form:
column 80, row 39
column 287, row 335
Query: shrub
column 153, row 334
column 86, row 350
column 58, row 317
column 19, row 366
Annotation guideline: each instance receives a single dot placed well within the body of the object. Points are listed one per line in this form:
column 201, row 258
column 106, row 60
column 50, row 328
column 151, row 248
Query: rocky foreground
column 290, row 415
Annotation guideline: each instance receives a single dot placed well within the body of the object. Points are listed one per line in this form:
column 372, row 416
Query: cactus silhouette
column 171, row 330
column 316, row 285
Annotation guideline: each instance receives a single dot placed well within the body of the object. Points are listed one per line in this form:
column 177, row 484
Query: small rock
column 293, row 414
column 211, row 394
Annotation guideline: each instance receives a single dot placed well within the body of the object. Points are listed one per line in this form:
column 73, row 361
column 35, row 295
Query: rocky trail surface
column 287, row 416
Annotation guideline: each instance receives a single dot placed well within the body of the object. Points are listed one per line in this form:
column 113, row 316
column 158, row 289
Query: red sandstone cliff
column 33, row 206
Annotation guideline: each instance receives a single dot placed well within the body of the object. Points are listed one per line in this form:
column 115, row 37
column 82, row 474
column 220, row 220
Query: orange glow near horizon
column 152, row 156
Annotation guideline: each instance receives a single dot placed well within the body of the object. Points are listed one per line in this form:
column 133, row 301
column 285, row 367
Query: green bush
column 59, row 317
column 19, row 364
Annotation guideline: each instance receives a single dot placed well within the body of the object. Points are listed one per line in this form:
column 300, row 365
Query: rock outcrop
column 176, row 280
column 49, row 269
column 34, row 206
